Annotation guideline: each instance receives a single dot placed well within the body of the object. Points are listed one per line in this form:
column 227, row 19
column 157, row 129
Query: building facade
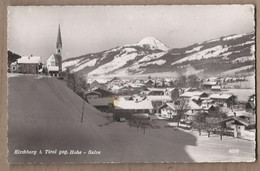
column 53, row 64
column 29, row 64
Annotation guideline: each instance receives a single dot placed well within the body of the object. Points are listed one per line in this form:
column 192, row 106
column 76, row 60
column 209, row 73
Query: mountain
column 152, row 43
column 218, row 56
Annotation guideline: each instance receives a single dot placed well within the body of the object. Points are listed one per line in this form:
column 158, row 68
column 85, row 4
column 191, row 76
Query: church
column 53, row 64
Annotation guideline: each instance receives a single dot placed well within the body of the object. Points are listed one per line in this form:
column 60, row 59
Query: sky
column 89, row 29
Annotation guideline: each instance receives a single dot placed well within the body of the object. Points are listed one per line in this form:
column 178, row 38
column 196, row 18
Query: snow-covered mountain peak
column 152, row 43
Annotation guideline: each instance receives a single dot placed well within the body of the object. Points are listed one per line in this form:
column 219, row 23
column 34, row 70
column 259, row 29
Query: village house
column 149, row 83
column 159, row 96
column 251, row 104
column 170, row 110
column 171, row 92
column 115, row 82
column 190, row 94
column 29, row 64
column 129, row 89
column 53, row 64
column 89, row 95
column 96, row 84
column 101, row 99
column 104, row 92
column 223, row 99
column 209, row 84
column 190, row 115
column 207, row 103
column 126, row 107
column 239, row 127
column 216, row 88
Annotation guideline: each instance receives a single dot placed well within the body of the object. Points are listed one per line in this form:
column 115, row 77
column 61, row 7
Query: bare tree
column 214, row 121
column 140, row 122
column 182, row 107
column 200, row 120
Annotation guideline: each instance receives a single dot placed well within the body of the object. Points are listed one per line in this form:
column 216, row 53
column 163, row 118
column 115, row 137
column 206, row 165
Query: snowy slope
column 150, row 55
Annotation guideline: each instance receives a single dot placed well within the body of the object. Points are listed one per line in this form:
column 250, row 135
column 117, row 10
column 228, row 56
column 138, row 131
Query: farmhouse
column 103, row 92
column 209, row 84
column 29, row 64
column 149, row 83
column 251, row 104
column 171, row 92
column 127, row 107
column 190, row 94
column 169, row 110
column 89, row 95
column 223, row 99
column 115, row 82
column 238, row 125
column 100, row 99
column 96, row 84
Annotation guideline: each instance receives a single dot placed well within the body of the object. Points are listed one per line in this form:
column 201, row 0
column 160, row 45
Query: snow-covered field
column 233, row 71
column 86, row 64
column 204, row 54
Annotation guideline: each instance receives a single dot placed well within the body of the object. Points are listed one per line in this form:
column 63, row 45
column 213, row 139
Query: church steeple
column 59, row 42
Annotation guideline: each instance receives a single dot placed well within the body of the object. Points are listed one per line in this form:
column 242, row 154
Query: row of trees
column 181, row 81
column 211, row 122
column 76, row 82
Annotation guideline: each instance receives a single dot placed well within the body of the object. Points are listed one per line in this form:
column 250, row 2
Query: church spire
column 59, row 42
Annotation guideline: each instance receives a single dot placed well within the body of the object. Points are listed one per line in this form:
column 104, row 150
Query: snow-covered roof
column 238, row 119
column 216, row 87
column 220, row 96
column 190, row 105
column 89, row 92
column 192, row 93
column 195, row 98
column 210, row 83
column 156, row 89
column 29, row 60
column 190, row 113
column 122, row 103
column 208, row 101
column 159, row 98
column 136, row 85
column 239, row 113
column 160, row 89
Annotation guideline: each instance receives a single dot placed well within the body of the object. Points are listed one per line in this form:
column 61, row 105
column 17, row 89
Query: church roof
column 59, row 42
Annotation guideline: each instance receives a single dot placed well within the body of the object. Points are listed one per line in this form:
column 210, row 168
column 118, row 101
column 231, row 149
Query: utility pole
column 83, row 110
